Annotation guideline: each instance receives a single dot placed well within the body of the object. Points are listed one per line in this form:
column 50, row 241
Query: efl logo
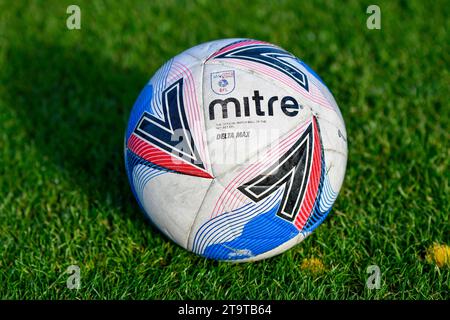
column 223, row 82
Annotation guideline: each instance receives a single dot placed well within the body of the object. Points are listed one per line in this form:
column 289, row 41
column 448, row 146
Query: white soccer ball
column 236, row 150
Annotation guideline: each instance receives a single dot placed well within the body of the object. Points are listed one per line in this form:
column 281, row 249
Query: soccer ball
column 236, row 150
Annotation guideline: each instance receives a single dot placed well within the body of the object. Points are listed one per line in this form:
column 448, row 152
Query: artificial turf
column 65, row 96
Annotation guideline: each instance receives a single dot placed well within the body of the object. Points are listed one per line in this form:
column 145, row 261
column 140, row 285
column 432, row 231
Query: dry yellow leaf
column 439, row 254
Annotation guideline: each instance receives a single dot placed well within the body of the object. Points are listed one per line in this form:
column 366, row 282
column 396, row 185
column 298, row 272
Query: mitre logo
column 256, row 105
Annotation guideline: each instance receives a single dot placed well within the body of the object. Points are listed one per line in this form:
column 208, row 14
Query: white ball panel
column 262, row 130
column 204, row 50
column 172, row 201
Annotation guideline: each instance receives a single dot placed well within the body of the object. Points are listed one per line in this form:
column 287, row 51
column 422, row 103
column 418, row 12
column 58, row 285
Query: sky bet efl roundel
column 236, row 150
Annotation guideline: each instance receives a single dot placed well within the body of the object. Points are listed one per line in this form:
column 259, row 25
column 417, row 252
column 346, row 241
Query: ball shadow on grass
column 74, row 105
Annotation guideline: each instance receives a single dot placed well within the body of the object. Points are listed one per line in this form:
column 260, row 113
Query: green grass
column 64, row 101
